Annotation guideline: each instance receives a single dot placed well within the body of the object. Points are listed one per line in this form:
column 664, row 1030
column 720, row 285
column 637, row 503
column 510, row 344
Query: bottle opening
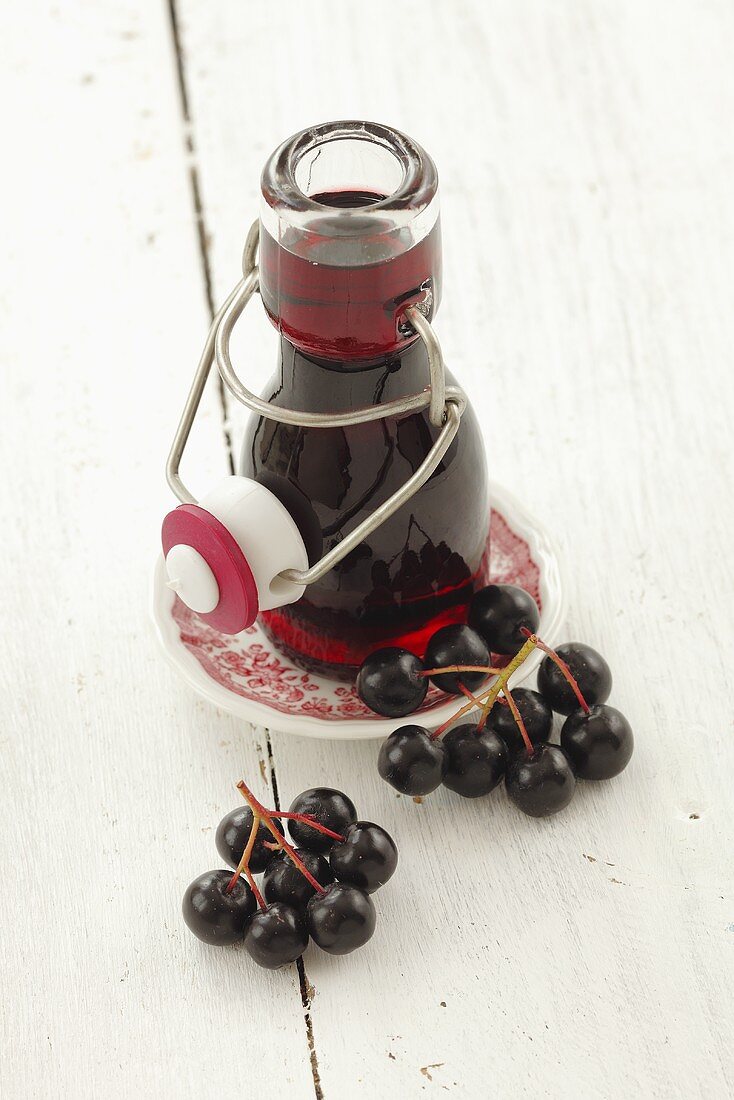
column 348, row 200
column 349, row 237
column 362, row 168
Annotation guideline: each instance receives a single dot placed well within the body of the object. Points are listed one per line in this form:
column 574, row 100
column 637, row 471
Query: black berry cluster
column 510, row 738
column 318, row 890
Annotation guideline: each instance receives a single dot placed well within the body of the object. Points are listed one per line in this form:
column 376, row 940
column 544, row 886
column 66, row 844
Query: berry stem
column 487, row 698
column 244, row 864
column 529, row 747
column 469, row 695
column 460, row 668
column 476, row 701
column 571, row 679
column 267, row 820
column 504, row 678
column 465, row 691
column 306, row 819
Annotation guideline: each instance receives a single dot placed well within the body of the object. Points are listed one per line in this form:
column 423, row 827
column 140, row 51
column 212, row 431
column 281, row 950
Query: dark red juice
column 345, row 344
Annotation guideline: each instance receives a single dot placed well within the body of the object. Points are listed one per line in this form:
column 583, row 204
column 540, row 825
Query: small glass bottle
column 349, row 238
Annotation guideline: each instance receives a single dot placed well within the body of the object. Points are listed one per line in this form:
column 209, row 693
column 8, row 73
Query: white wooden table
column 586, row 151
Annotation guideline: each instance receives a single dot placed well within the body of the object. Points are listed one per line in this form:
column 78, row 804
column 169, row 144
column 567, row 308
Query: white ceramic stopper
column 266, row 534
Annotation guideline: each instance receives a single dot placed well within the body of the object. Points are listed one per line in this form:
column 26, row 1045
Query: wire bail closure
column 445, row 406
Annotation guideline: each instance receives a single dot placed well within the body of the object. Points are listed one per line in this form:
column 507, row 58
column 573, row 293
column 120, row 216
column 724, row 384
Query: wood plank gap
column 304, row 983
column 199, row 217
column 306, row 989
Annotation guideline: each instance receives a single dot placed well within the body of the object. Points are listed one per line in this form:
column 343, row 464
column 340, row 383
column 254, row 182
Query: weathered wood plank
column 586, row 164
column 113, row 776
column 586, row 156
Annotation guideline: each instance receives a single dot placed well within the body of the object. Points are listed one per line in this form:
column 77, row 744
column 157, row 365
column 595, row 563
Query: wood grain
column 113, row 778
column 587, row 158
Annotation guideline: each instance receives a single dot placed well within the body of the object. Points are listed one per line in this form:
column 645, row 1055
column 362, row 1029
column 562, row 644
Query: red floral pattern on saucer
column 248, row 677
column 248, row 666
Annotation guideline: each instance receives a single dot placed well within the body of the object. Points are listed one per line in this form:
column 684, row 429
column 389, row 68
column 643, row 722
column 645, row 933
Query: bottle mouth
column 331, row 177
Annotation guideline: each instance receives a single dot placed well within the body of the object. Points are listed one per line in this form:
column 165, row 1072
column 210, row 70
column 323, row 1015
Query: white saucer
column 247, row 676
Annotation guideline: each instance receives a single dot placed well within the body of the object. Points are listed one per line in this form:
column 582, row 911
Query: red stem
column 306, row 819
column 569, row 676
column 441, row 729
column 488, row 698
column 470, row 695
column 254, row 887
column 462, row 710
column 267, row 820
column 460, row 668
column 529, row 747
column 244, row 864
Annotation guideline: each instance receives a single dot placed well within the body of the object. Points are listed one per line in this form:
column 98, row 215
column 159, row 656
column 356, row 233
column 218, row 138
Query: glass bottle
column 349, row 237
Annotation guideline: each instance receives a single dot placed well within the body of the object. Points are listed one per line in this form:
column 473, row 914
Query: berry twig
column 469, row 694
column 267, row 819
column 504, row 678
column 570, row 678
column 487, row 698
column 307, row 819
column 244, row 864
column 461, row 668
column 476, row 701
column 507, row 695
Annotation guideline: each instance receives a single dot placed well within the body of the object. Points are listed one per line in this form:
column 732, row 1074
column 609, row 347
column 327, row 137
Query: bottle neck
column 318, row 385
column 343, row 311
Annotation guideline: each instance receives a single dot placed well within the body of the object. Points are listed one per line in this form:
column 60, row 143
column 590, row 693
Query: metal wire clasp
column 445, row 405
